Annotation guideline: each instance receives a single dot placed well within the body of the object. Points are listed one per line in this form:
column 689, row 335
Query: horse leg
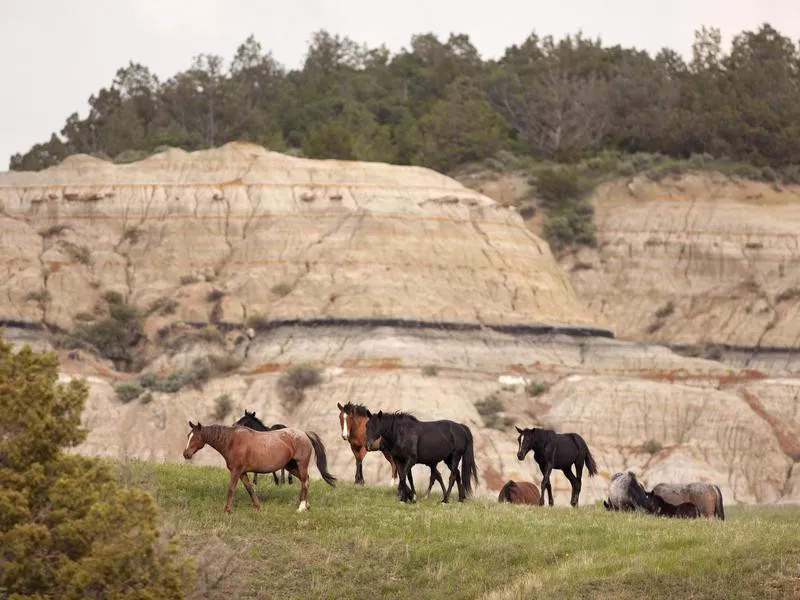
column 453, row 466
column 402, row 489
column 302, row 475
column 435, row 476
column 578, row 477
column 575, row 482
column 462, row 495
column 235, row 473
column 548, row 468
column 275, row 477
column 255, row 478
column 388, row 457
column 283, row 476
column 250, row 490
column 359, row 452
column 411, row 483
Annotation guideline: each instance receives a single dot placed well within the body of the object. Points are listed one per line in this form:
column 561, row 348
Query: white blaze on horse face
column 189, row 441
column 345, row 430
column 521, row 438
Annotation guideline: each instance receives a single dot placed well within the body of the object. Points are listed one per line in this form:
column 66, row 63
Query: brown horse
column 519, row 492
column 353, row 425
column 246, row 450
column 707, row 497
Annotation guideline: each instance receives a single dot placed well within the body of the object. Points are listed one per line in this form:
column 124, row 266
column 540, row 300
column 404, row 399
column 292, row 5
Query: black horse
column 411, row 441
column 250, row 421
column 553, row 450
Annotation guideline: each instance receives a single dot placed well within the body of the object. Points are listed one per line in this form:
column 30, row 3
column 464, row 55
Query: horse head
column 345, row 414
column 195, row 440
column 525, row 441
column 374, row 431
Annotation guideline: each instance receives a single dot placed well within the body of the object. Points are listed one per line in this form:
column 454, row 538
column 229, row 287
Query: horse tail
column 719, row 509
column 322, row 459
column 469, row 472
column 588, row 459
column 505, row 492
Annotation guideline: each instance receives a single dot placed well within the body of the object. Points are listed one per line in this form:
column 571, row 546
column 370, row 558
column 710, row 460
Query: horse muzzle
column 521, row 455
column 187, row 454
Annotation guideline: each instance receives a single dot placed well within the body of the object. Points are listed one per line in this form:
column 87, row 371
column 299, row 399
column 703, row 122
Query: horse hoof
column 303, row 506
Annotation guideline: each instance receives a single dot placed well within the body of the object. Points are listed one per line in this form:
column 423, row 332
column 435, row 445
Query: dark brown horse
column 353, row 425
column 684, row 510
column 247, row 451
column 519, row 492
column 707, row 497
column 553, row 450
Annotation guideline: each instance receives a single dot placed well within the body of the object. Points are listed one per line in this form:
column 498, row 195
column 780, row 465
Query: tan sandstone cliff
column 372, row 272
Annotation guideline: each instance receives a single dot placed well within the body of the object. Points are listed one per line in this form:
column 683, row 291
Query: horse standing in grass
column 684, row 510
column 250, row 420
column 519, row 492
column 353, row 425
column 411, row 441
column 553, row 450
column 707, row 497
column 245, row 450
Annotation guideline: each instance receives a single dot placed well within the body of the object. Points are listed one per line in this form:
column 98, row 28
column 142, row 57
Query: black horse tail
column 322, row 459
column 505, row 491
column 588, row 459
column 469, row 472
column 720, row 510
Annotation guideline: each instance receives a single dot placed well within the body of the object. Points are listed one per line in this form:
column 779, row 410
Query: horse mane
column 357, row 409
column 404, row 415
column 250, row 417
column 217, row 436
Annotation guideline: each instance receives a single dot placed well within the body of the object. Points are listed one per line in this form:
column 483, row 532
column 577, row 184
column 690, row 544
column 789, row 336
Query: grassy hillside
column 363, row 543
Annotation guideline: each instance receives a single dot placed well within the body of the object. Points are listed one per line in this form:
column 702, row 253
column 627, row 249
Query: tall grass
column 361, row 542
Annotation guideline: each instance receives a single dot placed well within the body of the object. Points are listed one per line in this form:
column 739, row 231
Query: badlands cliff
column 409, row 290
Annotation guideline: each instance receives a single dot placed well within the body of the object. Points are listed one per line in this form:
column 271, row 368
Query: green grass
column 361, row 542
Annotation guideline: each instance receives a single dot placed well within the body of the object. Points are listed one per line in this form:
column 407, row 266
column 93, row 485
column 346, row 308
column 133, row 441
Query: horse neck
column 218, row 437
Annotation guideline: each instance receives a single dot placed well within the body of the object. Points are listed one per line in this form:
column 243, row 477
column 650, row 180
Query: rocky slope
column 407, row 289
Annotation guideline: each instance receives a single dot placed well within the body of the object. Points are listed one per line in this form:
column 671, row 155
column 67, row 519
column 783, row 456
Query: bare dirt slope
column 408, row 289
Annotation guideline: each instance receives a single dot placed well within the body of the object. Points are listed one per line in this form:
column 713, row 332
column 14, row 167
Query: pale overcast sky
column 55, row 53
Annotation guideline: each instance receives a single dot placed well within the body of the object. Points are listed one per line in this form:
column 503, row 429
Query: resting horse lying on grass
column 245, row 450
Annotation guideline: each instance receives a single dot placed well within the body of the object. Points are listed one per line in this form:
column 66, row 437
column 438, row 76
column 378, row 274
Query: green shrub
column 146, row 398
column 558, row 187
column 128, row 390
column 112, row 297
column 430, row 370
column 53, row 230
column 652, row 447
column 490, row 409
column 536, row 389
column 163, row 306
column 666, row 310
column 85, row 316
column 209, row 333
column 223, row 406
column 189, row 279
column 281, row 289
column 215, row 295
column 77, row 254
column 148, row 380
column 40, row 296
column 295, row 380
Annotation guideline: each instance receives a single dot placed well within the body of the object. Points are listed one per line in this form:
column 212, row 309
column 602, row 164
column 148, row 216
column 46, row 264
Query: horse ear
column 518, row 429
column 191, row 424
column 380, row 414
column 340, row 406
column 369, row 414
column 199, row 425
